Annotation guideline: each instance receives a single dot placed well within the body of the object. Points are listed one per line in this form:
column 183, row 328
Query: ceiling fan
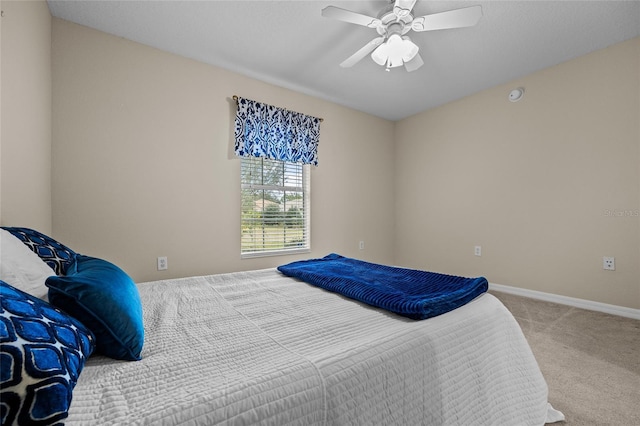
column 393, row 48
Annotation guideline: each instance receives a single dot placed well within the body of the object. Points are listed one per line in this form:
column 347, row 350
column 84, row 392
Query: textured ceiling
column 289, row 43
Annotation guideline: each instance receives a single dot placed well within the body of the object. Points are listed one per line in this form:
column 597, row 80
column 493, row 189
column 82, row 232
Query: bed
column 259, row 347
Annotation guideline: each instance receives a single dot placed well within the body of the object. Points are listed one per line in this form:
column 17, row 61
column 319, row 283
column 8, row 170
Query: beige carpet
column 591, row 360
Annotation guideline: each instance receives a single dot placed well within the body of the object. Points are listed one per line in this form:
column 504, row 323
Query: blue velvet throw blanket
column 408, row 292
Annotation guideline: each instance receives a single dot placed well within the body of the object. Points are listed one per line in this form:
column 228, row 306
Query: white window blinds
column 275, row 207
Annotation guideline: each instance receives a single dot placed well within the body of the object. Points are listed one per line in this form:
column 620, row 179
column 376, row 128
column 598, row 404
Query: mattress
column 261, row 348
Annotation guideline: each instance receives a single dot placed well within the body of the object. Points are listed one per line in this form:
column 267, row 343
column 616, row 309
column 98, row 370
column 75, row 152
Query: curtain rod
column 235, row 98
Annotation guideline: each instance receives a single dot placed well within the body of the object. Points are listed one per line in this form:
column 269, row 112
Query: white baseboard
column 571, row 301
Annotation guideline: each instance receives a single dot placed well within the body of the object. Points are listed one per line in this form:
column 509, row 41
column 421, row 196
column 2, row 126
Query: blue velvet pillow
column 56, row 255
column 42, row 352
column 106, row 300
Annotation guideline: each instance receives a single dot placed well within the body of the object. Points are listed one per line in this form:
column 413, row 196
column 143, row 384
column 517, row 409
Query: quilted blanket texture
column 408, row 292
column 259, row 348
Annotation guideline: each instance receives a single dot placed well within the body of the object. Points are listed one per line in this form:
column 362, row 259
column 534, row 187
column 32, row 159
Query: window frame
column 250, row 184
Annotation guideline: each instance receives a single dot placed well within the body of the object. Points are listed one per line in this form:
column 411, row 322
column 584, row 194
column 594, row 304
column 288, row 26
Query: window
column 276, row 147
column 275, row 207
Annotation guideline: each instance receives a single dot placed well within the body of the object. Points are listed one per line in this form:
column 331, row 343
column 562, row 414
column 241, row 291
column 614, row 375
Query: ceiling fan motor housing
column 390, row 23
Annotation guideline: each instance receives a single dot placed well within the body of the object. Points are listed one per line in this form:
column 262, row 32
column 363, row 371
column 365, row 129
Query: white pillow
column 21, row 267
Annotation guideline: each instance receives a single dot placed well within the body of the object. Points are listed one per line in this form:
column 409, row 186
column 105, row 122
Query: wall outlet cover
column 162, row 263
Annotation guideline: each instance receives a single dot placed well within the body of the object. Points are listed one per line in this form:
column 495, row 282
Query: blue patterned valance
column 267, row 131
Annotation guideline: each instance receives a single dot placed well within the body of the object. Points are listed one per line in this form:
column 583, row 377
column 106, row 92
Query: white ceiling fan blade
column 349, row 16
column 459, row 18
column 414, row 64
column 403, row 7
column 364, row 51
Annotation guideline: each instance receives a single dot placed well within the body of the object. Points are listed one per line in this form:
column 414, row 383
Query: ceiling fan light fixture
column 395, row 51
column 394, row 61
column 381, row 54
column 410, row 49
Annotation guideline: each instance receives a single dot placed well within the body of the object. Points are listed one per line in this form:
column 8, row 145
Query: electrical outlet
column 361, row 245
column 609, row 263
column 162, row 263
column 477, row 250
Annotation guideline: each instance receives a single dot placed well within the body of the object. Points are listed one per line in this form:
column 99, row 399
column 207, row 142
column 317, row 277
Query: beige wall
column 539, row 184
column 143, row 164
column 25, row 136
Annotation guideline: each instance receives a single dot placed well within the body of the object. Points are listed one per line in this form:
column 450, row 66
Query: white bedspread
column 260, row 348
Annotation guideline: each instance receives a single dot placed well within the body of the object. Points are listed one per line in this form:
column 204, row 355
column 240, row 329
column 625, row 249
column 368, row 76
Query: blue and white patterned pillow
column 42, row 352
column 56, row 255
